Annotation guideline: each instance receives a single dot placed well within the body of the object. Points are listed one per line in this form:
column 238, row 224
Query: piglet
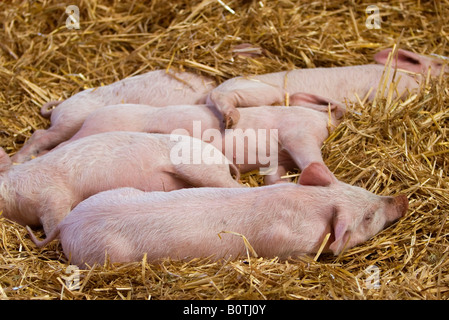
column 42, row 191
column 283, row 220
column 157, row 88
column 336, row 83
column 271, row 139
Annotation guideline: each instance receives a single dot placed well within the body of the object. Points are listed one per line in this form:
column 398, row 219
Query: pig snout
column 396, row 209
column 401, row 205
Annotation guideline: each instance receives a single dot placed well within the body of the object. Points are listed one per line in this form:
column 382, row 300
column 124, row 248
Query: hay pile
column 392, row 147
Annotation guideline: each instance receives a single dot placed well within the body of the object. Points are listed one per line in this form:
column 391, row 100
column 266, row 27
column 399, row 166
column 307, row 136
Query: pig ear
column 341, row 234
column 317, row 103
column 406, row 60
column 316, row 174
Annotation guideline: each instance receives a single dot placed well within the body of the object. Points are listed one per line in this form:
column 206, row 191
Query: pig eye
column 369, row 216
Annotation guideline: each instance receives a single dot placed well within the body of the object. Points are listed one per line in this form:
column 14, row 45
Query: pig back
column 115, row 159
column 158, row 88
column 157, row 223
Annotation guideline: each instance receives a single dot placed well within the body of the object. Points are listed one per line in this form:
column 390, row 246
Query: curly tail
column 52, row 236
column 47, row 108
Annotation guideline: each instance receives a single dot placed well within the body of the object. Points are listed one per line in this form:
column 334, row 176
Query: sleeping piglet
column 271, row 139
column 157, row 88
column 338, row 83
column 283, row 220
column 45, row 189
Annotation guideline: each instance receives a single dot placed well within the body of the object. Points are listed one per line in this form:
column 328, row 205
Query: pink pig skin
column 45, row 189
column 156, row 88
column 284, row 220
column 301, row 131
column 336, row 83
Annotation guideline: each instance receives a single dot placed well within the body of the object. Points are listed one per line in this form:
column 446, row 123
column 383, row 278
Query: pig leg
column 253, row 94
column 29, row 150
column 303, row 150
column 207, row 175
column 285, row 164
column 44, row 140
column 54, row 208
column 276, row 177
column 66, row 120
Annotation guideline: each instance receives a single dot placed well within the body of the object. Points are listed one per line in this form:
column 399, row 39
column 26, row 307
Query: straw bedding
column 387, row 147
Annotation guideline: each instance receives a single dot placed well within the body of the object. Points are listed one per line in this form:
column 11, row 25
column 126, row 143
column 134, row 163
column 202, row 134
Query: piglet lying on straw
column 157, row 88
column 335, row 83
column 42, row 191
column 284, row 220
column 272, row 139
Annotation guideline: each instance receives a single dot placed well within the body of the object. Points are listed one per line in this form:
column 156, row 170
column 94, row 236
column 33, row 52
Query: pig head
column 357, row 214
column 413, row 62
